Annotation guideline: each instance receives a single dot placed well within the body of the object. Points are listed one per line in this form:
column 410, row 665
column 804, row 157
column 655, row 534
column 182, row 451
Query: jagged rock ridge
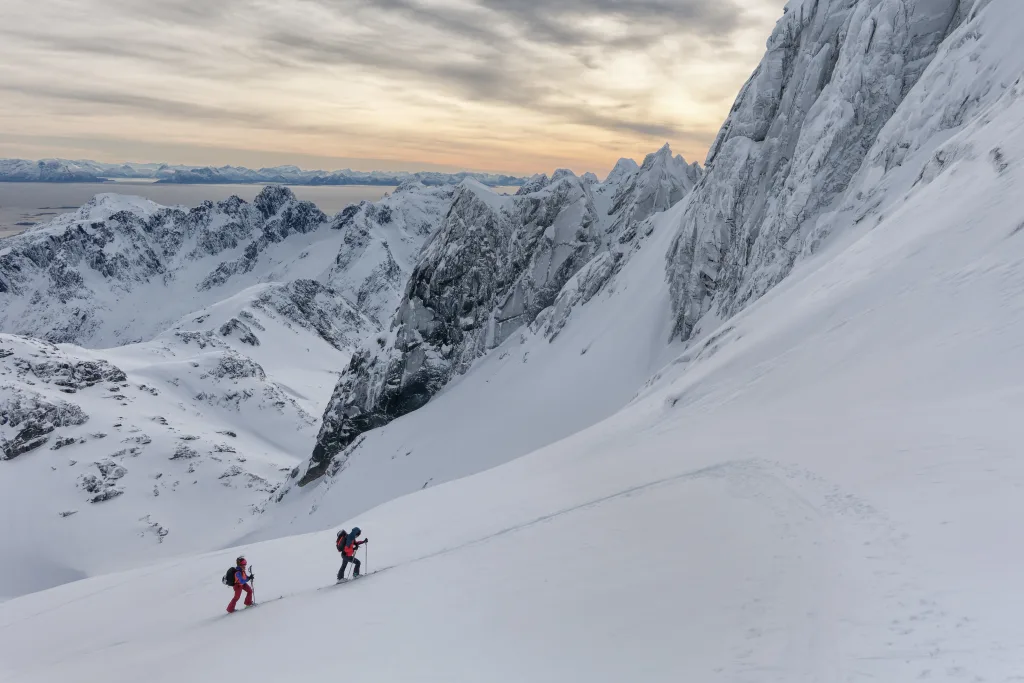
column 90, row 277
column 495, row 265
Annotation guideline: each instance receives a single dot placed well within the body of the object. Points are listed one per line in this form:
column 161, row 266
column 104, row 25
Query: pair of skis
column 344, row 581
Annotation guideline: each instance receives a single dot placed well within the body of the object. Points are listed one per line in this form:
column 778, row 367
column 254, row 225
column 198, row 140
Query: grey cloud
column 489, row 80
column 488, row 46
column 529, row 54
column 92, row 46
column 133, row 101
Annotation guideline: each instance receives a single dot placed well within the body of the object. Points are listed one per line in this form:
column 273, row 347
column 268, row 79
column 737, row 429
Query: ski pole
column 252, row 580
column 366, row 556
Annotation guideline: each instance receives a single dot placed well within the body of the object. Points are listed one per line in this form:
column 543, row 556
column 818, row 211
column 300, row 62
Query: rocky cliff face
column 495, row 265
column 834, row 73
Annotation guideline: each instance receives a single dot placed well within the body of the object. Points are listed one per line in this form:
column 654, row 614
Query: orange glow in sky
column 516, row 86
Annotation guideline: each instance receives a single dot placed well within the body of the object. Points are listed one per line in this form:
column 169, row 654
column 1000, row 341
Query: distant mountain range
column 84, row 171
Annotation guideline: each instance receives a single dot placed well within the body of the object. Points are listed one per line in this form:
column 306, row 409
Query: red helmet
column 241, row 562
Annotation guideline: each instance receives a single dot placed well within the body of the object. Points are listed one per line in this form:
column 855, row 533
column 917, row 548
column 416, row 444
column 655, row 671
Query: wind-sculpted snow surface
column 493, row 267
column 92, row 277
column 835, row 73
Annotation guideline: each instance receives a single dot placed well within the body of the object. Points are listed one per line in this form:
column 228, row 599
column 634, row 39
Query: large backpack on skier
column 229, row 577
column 339, row 542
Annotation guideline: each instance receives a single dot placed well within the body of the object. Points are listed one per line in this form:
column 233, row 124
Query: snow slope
column 824, row 490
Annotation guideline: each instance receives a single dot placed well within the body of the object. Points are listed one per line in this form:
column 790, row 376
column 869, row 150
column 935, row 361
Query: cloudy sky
column 505, row 85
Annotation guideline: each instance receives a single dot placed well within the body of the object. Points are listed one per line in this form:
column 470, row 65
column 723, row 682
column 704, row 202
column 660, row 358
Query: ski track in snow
column 821, row 537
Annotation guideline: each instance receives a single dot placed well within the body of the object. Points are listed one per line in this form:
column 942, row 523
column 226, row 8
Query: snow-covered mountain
column 64, row 170
column 819, row 488
column 293, row 175
column 92, row 277
column 801, row 448
column 782, row 168
column 240, row 315
column 496, row 265
column 49, row 171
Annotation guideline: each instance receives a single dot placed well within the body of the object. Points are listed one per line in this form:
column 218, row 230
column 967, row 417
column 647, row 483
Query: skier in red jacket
column 347, row 545
column 241, row 583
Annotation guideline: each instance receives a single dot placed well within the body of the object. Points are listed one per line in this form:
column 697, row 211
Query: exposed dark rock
column 62, row 442
column 244, row 333
column 103, row 486
column 183, row 452
column 314, row 306
column 36, row 417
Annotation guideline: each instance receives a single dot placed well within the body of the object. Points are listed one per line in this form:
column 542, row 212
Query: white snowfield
column 825, row 487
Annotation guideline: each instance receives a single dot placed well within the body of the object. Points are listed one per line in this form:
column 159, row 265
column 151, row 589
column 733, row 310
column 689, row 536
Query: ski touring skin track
column 346, row 581
column 255, row 604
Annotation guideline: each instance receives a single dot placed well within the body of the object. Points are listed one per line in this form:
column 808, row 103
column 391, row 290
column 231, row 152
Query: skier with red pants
column 347, row 546
column 241, row 584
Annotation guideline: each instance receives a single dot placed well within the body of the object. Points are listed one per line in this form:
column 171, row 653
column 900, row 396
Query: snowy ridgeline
column 92, row 277
column 84, row 171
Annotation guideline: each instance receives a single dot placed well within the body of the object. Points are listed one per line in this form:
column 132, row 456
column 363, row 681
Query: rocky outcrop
column 27, row 420
column 103, row 486
column 834, row 73
column 314, row 306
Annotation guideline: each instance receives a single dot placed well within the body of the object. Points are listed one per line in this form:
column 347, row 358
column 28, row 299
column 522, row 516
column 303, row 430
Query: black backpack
column 229, row 577
column 339, row 542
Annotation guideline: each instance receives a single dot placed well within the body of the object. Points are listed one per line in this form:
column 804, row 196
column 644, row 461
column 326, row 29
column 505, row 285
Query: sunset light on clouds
column 515, row 86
